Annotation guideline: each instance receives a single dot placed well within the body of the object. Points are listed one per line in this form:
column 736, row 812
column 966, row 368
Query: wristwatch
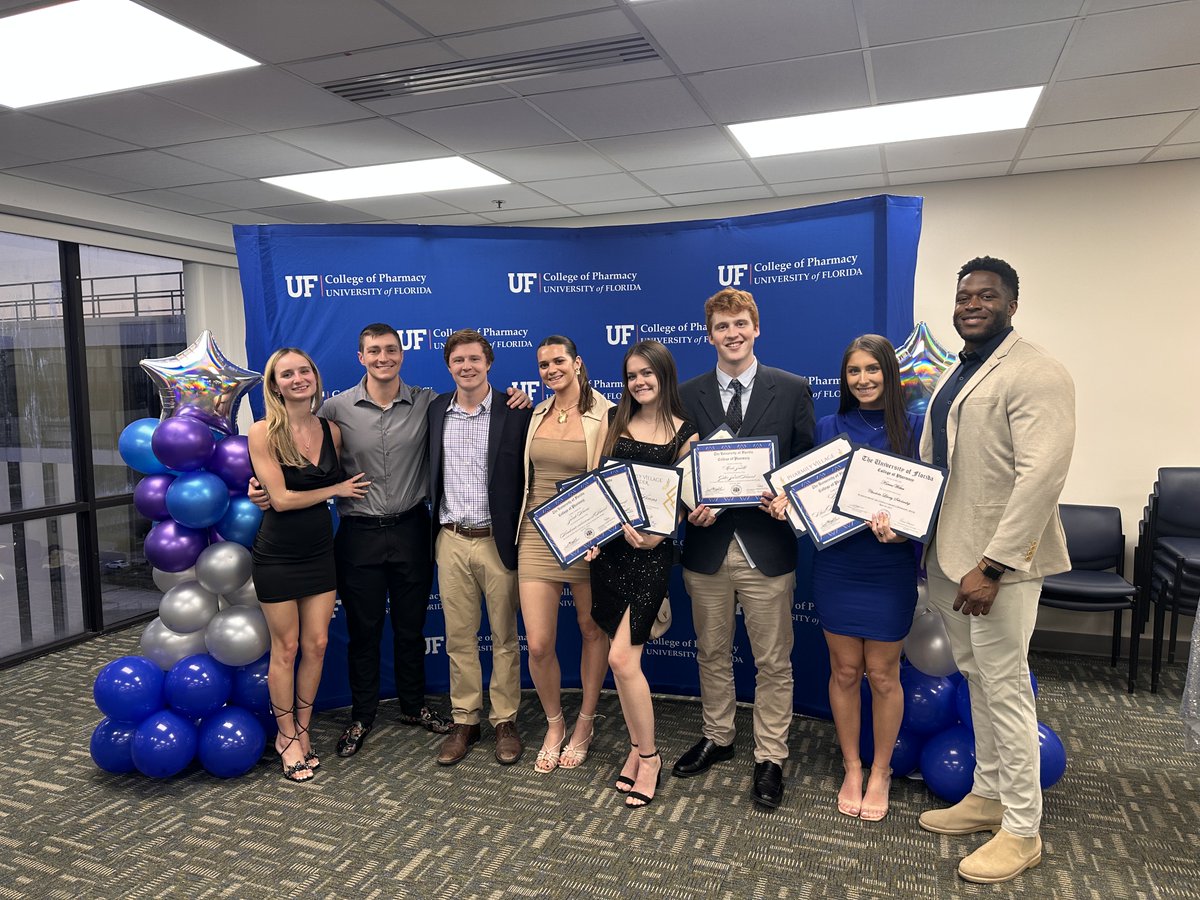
column 989, row 571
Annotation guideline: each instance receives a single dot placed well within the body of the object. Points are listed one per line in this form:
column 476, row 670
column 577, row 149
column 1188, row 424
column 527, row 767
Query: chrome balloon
column 200, row 382
column 922, row 361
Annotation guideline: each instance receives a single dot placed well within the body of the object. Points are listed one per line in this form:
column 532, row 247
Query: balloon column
column 936, row 736
column 210, row 634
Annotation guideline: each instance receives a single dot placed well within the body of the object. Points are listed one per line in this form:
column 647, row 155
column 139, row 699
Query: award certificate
column 910, row 492
column 813, row 497
column 620, row 481
column 581, row 517
column 730, row 472
column 659, row 488
column 807, row 462
column 687, row 488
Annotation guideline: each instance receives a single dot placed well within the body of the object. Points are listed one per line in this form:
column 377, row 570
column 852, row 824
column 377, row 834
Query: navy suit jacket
column 780, row 406
column 506, row 469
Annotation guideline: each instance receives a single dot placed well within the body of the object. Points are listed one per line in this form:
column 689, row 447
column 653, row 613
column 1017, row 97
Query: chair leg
column 1116, row 643
column 1135, row 641
column 1174, row 631
column 1156, row 641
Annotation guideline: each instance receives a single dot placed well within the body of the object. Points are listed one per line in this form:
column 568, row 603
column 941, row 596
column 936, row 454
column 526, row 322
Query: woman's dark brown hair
column 670, row 407
column 895, row 417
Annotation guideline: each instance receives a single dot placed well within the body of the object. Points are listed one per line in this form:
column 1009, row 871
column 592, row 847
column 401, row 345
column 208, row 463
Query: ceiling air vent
column 495, row 69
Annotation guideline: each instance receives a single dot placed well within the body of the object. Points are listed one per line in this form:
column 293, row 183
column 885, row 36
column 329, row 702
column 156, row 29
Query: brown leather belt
column 482, row 532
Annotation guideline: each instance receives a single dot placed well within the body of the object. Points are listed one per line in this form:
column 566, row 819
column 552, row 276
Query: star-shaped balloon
column 922, row 361
column 201, row 383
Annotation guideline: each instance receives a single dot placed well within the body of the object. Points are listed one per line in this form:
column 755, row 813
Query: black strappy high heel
column 294, row 772
column 636, row 795
column 625, row 779
column 311, row 758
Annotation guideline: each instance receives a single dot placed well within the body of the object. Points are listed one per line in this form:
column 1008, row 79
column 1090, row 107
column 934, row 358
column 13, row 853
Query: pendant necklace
column 562, row 413
column 865, row 422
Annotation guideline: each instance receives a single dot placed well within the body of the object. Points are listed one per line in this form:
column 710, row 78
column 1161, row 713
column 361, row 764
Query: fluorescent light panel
column 421, row 176
column 895, row 122
column 97, row 46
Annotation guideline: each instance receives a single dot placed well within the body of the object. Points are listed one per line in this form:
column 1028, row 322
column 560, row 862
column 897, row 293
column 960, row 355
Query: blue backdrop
column 821, row 276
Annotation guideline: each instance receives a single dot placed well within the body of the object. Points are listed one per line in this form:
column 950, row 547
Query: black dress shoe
column 352, row 738
column 700, row 757
column 768, row 784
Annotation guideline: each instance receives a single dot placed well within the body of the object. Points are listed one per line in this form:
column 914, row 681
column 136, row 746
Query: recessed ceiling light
column 96, row 46
column 421, row 176
column 888, row 124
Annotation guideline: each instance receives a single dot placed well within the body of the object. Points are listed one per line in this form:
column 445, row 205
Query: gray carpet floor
column 1123, row 822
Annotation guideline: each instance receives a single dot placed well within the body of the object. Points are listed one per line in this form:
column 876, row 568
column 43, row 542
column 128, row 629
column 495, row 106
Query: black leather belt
column 384, row 521
column 480, row 532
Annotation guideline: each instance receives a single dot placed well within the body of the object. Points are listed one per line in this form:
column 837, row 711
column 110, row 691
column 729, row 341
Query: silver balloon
column 187, row 607
column 222, row 603
column 237, row 636
column 164, row 581
column 223, row 567
column 928, row 646
column 166, row 648
column 243, row 596
column 200, row 382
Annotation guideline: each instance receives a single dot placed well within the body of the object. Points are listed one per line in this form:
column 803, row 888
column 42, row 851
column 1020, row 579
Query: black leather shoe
column 768, row 784
column 352, row 738
column 700, row 757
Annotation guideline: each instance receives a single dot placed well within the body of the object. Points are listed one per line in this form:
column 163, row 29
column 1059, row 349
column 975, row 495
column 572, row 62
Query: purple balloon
column 150, row 496
column 172, row 547
column 231, row 460
column 182, row 444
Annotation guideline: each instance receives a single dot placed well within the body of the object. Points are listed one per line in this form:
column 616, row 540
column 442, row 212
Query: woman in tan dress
column 564, row 438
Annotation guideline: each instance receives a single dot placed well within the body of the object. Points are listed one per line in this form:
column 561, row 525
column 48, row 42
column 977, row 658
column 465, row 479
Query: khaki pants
column 767, row 610
column 992, row 652
column 466, row 567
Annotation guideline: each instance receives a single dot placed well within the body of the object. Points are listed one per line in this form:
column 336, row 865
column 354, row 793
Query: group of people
column 1001, row 421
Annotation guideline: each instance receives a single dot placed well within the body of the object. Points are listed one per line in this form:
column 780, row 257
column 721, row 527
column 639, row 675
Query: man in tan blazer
column 1003, row 422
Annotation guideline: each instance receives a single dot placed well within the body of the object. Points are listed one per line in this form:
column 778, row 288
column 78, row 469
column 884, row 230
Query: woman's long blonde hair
column 279, row 434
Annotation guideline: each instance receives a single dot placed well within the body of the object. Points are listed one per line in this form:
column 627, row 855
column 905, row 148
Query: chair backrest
column 1178, row 509
column 1094, row 538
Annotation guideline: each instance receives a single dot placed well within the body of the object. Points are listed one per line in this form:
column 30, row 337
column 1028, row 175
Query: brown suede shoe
column 457, row 743
column 508, row 744
column 1002, row 858
column 970, row 814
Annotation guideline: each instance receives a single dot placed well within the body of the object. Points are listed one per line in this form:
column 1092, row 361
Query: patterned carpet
column 1123, row 822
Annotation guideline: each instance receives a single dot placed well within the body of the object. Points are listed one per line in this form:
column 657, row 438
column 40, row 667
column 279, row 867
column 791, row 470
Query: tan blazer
column 1010, row 433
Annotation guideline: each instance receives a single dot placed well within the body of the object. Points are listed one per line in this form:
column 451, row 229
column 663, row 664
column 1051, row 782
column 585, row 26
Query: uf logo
column 619, row 334
column 728, row 276
column 521, row 282
column 301, row 285
column 433, row 645
column 413, row 338
column 529, row 387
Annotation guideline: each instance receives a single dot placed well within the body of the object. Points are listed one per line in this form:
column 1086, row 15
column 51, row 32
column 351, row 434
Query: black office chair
column 1096, row 581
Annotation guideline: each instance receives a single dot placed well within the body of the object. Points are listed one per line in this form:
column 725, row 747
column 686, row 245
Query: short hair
column 727, row 302
column 1008, row 275
column 376, row 329
column 468, row 336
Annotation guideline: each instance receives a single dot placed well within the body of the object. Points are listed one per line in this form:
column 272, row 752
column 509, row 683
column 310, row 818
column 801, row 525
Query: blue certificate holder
column 583, row 516
column 730, row 472
column 909, row 490
column 659, row 487
column 837, row 447
column 622, row 484
column 813, row 496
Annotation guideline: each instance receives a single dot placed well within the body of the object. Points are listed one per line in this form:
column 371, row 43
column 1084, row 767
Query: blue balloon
column 1053, row 755
column 112, row 746
column 948, row 763
column 240, row 522
column 164, row 744
column 198, row 685
column 129, row 689
column 250, row 687
column 906, row 754
column 928, row 701
column 197, row 499
column 135, row 448
column 231, row 742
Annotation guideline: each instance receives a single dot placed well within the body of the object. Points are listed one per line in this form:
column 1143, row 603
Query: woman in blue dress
column 865, row 586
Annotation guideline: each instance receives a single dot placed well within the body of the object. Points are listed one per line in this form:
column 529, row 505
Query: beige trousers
column 767, row 610
column 992, row 652
column 467, row 567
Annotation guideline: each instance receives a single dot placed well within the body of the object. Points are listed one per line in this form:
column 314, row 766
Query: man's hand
column 518, row 399
column 701, row 516
column 976, row 593
column 258, row 495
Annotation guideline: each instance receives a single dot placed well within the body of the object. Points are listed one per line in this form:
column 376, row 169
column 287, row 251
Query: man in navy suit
column 745, row 556
column 476, row 482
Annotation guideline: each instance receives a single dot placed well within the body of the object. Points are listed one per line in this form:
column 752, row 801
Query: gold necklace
column 562, row 413
column 306, row 440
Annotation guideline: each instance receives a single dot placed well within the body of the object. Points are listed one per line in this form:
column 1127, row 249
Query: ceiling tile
column 366, row 143
column 994, row 146
column 707, row 34
column 1176, row 151
column 631, row 108
column 605, row 207
column 153, row 169
column 457, row 219
column 1153, row 37
column 317, row 214
column 394, row 106
column 987, row 61
column 483, row 200
column 1129, row 94
column 175, row 201
column 949, row 173
column 659, row 149
column 566, row 81
column 246, row 218
column 139, row 117
column 243, row 194
column 820, row 164
column 1107, row 134
column 1080, row 161
column 25, row 135
column 1189, row 132
column 454, row 16
column 791, row 88
column 261, row 99
column 501, row 125
column 67, row 175
column 823, row 185
column 708, row 176
column 553, row 161
column 896, row 21
column 598, row 25
column 359, row 63
column 405, row 206
column 726, row 195
column 592, row 188
column 251, row 156
column 531, row 215
column 1099, row 6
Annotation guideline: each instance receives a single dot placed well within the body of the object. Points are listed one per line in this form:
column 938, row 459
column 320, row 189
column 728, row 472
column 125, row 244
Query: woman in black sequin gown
column 629, row 577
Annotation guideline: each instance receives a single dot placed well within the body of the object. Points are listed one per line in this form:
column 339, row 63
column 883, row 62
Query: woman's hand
column 591, row 554
column 777, row 507
column 701, row 516
column 257, row 495
column 881, row 527
column 353, row 488
column 639, row 541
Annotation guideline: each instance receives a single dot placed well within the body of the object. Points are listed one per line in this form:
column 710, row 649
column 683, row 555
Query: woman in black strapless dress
column 295, row 457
